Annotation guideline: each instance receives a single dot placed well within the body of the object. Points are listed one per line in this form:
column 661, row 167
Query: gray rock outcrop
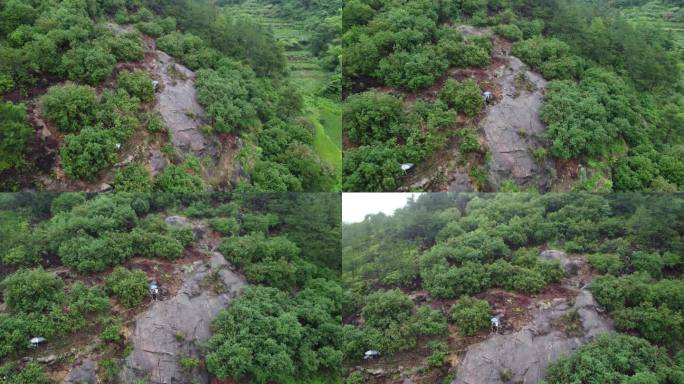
column 522, row 356
column 174, row 328
column 83, row 372
column 571, row 267
column 513, row 129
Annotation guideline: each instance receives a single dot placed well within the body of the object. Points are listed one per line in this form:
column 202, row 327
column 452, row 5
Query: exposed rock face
column 83, row 372
column 524, row 355
column 513, row 129
column 175, row 327
column 178, row 106
column 570, row 266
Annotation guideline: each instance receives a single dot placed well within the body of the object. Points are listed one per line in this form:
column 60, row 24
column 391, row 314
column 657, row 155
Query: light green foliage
column 32, row 290
column 130, row 287
column 180, row 178
column 89, row 64
column 614, row 357
column 133, row 178
column 509, row 31
column 230, row 96
column 464, row 96
column 225, row 225
column 15, row 134
column 85, row 154
column 71, row 107
column 137, row 84
column 112, row 329
column 31, row 373
column 413, row 70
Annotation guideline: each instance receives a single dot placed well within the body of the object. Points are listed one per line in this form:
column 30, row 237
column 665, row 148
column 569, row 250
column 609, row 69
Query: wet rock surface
column 524, row 355
column 175, row 328
column 513, row 129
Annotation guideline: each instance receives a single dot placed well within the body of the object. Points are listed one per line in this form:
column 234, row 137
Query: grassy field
column 325, row 114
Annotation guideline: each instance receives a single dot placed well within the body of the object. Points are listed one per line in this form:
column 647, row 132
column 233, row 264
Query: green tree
column 90, row 64
column 464, row 96
column 138, row 84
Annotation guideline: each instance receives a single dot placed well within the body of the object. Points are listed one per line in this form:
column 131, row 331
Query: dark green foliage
column 190, row 49
column 370, row 117
column 32, row 290
column 66, row 201
column 464, row 96
column 71, row 107
column 267, row 336
column 614, row 359
column 112, row 329
column 137, row 84
column 133, row 178
column 413, row 70
column 87, row 153
column 372, row 168
column 15, row 134
column 470, row 315
column 130, row 287
column 230, row 96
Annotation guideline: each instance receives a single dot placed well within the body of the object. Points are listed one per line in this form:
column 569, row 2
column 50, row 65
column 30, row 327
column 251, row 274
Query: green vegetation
column 14, row 135
column 612, row 102
column 468, row 244
column 243, row 82
column 284, row 327
column 471, row 315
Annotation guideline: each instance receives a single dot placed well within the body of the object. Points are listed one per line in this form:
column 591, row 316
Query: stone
column 525, row 354
column 83, row 372
column 190, row 313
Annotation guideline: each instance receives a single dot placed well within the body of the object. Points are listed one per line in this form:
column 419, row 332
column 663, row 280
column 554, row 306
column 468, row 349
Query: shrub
column 130, row 287
column 470, row 315
column 509, row 31
column 611, row 264
column 87, row 254
column 84, row 155
column 32, row 290
column 66, row 201
column 71, row 107
column 464, row 96
column 386, row 307
column 228, row 226
column 179, row 179
column 127, row 47
column 111, row 332
column 138, row 84
column 90, row 64
column 610, row 356
column 15, row 134
column 413, row 70
column 133, row 178
column 372, row 117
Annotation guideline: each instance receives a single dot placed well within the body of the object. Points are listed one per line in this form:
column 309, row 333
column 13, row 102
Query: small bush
column 464, row 96
column 228, row 226
column 86, row 154
column 471, row 315
column 138, row 84
column 133, row 178
column 130, row 287
column 509, row 31
column 70, row 107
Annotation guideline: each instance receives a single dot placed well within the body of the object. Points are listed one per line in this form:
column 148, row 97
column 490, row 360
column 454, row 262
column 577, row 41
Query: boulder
column 570, row 267
column 83, row 372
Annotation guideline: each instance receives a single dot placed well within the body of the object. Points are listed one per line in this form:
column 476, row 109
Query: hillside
column 581, row 97
column 248, row 288
column 155, row 96
column 586, row 288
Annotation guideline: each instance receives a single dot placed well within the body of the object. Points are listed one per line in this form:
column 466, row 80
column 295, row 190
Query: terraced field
column 324, row 114
column 670, row 18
